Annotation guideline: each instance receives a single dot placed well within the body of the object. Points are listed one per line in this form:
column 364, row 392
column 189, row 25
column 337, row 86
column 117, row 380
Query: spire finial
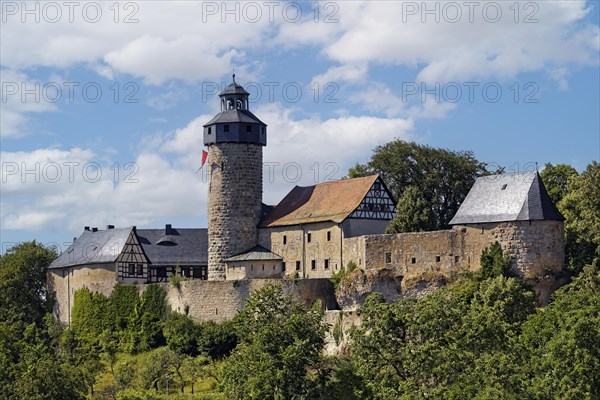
column 233, row 76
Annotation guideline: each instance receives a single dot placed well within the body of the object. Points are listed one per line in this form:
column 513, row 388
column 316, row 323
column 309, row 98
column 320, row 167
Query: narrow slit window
column 388, row 257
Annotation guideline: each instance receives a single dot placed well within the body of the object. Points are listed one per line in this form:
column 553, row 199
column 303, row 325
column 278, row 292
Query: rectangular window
column 413, row 260
column 456, row 259
column 313, row 264
column 388, row 257
column 161, row 272
column 297, row 265
column 327, row 264
column 308, row 237
column 140, row 270
column 328, row 236
column 283, row 266
column 131, row 269
column 437, row 258
column 248, row 128
column 284, row 239
column 225, row 128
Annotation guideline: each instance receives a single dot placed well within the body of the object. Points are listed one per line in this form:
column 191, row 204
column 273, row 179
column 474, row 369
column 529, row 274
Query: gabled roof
column 94, row 247
column 508, row 197
column 179, row 247
column 257, row 253
column 330, row 201
column 237, row 115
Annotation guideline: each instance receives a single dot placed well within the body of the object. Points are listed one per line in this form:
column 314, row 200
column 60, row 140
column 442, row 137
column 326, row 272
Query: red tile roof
column 330, row 201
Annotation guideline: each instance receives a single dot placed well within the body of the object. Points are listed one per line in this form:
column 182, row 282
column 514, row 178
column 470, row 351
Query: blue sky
column 103, row 102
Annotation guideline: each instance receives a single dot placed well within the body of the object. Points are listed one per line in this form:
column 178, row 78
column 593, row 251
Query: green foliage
column 557, row 180
column 581, row 208
column 92, row 314
column 413, row 214
column 181, row 334
column 23, row 293
column 176, row 280
column 148, row 319
column 444, row 177
column 124, row 299
column 217, row 340
column 493, row 262
column 337, row 277
column 454, row 344
column 280, row 341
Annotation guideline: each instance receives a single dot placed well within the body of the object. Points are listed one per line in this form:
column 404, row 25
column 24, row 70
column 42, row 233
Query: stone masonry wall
column 64, row 282
column 234, row 202
column 221, row 300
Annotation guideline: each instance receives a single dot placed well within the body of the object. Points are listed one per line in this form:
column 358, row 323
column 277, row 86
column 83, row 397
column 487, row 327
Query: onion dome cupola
column 235, row 123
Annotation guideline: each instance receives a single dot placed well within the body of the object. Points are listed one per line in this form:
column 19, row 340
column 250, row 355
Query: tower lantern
column 235, row 138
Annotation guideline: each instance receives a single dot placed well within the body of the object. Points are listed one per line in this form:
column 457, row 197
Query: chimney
column 110, row 227
column 168, row 229
column 86, row 228
column 94, row 229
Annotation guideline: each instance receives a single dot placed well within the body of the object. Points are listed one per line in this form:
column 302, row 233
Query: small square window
column 313, row 264
column 309, row 237
column 437, row 258
column 284, row 239
column 328, row 236
column 297, row 265
column 413, row 260
column 225, row 128
column 248, row 128
column 388, row 257
column 327, row 264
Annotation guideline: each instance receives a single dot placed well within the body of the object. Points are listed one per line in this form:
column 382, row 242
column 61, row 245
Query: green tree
column 493, row 263
column 23, row 293
column 146, row 328
column 181, row 334
column 557, row 179
column 581, row 208
column 124, row 299
column 281, row 341
column 217, row 340
column 413, row 213
column 443, row 176
column 562, row 342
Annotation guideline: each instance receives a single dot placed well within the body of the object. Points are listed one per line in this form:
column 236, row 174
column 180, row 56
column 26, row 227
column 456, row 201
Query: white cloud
column 347, row 73
column 393, row 32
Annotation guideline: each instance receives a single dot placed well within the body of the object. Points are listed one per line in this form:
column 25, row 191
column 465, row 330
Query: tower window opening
column 413, row 260
column 239, row 104
column 225, row 128
column 297, row 265
column 437, row 259
column 283, row 266
column 313, row 264
column 209, row 130
column 248, row 128
column 284, row 239
column 328, row 236
column 388, row 257
column 326, row 263
column 308, row 237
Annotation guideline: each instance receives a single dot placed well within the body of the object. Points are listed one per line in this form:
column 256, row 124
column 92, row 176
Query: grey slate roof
column 94, row 247
column 180, row 247
column 508, row 197
column 257, row 253
column 237, row 115
column 234, row 88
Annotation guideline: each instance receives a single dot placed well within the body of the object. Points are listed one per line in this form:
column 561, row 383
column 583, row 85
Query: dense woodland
column 480, row 337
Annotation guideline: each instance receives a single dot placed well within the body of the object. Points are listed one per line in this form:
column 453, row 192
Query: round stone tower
column 235, row 138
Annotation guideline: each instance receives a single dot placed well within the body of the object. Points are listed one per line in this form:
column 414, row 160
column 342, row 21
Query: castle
column 308, row 236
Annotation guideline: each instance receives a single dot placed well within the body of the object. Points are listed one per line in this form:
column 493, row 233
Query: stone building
column 310, row 234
